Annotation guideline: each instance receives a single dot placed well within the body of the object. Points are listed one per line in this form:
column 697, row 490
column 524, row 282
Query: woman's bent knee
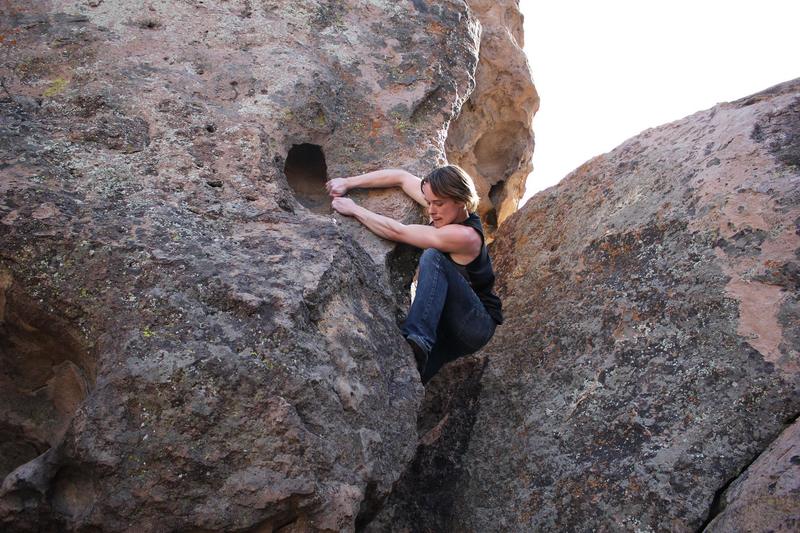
column 430, row 256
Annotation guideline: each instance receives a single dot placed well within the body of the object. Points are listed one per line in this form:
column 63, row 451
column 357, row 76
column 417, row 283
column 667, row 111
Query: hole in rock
column 491, row 221
column 45, row 374
column 495, row 196
column 307, row 173
column 496, row 192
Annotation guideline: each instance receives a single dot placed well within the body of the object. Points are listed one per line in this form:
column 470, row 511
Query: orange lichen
column 437, row 28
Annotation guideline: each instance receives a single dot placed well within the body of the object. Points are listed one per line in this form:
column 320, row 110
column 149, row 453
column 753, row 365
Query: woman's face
column 443, row 210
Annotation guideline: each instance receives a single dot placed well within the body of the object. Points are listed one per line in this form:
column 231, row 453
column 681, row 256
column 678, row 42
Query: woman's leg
column 447, row 319
column 452, row 341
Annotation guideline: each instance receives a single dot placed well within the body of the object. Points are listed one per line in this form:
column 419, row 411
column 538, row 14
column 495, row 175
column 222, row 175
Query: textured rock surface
column 492, row 137
column 423, row 498
column 767, row 496
column 183, row 326
column 651, row 344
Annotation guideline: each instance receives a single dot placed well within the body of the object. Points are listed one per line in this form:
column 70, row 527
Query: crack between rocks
column 470, row 387
column 717, row 505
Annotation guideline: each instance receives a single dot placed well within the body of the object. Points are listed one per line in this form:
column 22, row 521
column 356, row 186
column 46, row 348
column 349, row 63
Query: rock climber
column 455, row 311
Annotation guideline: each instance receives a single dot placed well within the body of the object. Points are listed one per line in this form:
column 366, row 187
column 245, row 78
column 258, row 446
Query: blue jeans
column 447, row 318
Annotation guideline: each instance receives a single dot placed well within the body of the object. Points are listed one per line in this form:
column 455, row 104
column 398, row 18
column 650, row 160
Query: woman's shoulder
column 474, row 221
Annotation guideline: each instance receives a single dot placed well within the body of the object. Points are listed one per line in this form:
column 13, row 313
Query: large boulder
column 189, row 339
column 652, row 345
column 651, row 349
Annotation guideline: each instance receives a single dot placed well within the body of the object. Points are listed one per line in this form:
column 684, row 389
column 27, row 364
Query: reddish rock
column 651, row 345
column 492, row 137
column 190, row 340
column 766, row 497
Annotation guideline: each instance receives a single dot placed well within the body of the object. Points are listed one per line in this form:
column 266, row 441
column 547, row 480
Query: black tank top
column 480, row 275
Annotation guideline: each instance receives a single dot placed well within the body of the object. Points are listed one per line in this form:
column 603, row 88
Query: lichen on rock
column 234, row 360
column 650, row 351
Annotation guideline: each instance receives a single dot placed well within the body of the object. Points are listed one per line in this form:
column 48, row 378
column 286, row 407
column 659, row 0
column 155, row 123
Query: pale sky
column 605, row 71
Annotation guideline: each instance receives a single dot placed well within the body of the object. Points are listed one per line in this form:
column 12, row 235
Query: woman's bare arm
column 453, row 238
column 389, row 177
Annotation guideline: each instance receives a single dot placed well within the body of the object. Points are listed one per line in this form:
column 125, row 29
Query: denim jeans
column 446, row 318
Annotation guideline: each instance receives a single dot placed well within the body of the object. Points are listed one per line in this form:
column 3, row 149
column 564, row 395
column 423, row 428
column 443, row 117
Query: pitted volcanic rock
column 246, row 369
column 651, row 348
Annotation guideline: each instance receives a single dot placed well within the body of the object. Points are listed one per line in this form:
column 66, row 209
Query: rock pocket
column 46, row 374
column 306, row 172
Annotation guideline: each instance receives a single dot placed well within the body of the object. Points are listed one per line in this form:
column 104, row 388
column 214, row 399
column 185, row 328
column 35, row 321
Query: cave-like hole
column 307, row 173
column 496, row 192
column 490, row 218
column 45, row 375
column 496, row 195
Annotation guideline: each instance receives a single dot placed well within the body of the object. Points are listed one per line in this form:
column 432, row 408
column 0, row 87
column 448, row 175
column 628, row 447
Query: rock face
column 423, row 499
column 189, row 340
column 651, row 349
column 766, row 496
column 492, row 137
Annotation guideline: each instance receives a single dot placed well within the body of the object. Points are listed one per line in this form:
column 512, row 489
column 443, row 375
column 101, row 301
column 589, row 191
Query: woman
column 455, row 311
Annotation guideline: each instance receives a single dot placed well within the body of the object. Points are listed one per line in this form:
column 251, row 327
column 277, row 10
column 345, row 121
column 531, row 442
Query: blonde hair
column 452, row 181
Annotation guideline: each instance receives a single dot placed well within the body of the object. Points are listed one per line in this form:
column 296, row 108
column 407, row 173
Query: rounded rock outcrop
column 246, row 367
column 492, row 137
column 651, row 349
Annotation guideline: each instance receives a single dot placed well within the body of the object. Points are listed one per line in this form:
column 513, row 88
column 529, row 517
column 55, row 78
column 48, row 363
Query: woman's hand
column 337, row 187
column 345, row 206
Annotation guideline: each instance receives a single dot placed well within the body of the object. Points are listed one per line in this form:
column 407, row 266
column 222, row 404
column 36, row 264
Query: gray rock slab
column 766, row 497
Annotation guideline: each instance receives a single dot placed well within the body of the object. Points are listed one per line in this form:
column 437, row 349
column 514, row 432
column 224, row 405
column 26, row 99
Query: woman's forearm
column 388, row 177
column 378, row 224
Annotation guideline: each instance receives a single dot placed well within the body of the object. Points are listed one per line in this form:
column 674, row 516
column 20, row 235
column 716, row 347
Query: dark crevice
column 369, row 507
column 496, row 195
column 717, row 504
column 490, row 218
column 401, row 264
column 423, row 498
column 497, row 192
column 306, row 172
